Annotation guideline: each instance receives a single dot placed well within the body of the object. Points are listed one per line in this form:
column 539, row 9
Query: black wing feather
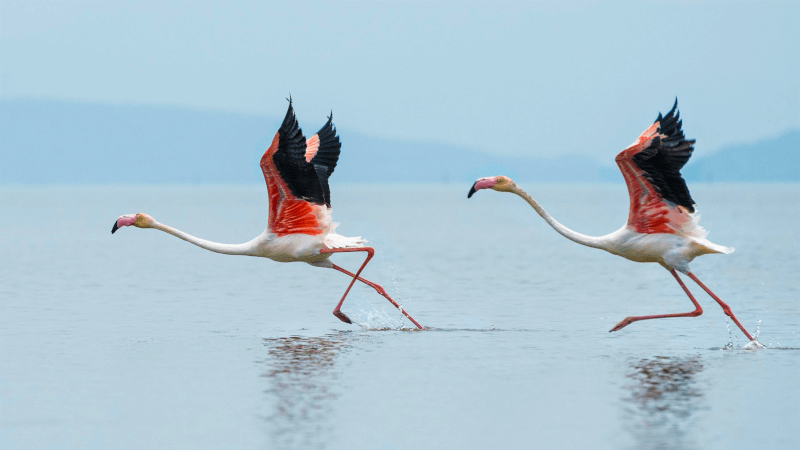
column 322, row 175
column 329, row 147
column 327, row 156
column 289, row 159
column 662, row 161
column 307, row 180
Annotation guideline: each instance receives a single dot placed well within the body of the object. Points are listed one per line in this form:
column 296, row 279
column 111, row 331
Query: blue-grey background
column 139, row 340
column 179, row 83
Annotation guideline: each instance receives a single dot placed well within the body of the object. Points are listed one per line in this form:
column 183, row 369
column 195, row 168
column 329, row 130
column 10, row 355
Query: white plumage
column 662, row 224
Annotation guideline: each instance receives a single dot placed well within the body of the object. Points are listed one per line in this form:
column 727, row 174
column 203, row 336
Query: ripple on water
column 665, row 397
column 303, row 387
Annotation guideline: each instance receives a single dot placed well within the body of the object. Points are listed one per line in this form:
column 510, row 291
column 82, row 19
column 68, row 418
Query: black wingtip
column 289, row 118
column 472, row 190
column 672, row 112
column 114, row 228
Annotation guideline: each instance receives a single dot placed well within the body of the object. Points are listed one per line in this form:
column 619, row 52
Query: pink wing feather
column 659, row 199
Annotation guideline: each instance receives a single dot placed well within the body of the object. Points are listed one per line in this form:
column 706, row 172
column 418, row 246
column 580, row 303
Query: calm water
column 140, row 340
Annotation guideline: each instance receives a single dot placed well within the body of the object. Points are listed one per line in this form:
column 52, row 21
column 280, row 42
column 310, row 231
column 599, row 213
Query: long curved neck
column 227, row 249
column 589, row 241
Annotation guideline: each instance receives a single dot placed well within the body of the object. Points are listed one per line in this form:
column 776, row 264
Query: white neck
column 589, row 241
column 227, row 249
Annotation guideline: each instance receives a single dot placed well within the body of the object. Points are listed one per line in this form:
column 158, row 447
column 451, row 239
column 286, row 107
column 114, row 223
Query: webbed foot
column 342, row 316
column 624, row 323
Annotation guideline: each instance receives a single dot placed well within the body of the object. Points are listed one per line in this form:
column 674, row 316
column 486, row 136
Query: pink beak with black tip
column 123, row 221
column 482, row 183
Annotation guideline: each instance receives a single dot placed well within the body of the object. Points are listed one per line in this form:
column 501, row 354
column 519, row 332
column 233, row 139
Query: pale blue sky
column 534, row 78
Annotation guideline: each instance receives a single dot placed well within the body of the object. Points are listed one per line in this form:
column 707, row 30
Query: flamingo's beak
column 124, row 221
column 472, row 190
column 482, row 183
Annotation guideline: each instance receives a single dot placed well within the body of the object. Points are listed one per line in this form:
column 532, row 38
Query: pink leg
column 370, row 253
column 378, row 288
column 698, row 310
column 725, row 307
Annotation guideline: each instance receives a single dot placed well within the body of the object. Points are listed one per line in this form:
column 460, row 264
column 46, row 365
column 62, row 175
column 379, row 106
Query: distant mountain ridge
column 772, row 160
column 62, row 142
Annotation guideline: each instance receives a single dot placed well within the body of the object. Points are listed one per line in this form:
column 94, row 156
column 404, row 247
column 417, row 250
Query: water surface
column 140, row 340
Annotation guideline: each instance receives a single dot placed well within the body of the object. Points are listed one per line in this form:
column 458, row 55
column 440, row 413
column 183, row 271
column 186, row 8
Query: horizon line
column 707, row 153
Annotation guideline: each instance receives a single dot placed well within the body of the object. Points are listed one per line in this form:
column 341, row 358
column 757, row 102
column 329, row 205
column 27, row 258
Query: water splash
column 396, row 288
column 754, row 344
column 729, row 345
column 375, row 319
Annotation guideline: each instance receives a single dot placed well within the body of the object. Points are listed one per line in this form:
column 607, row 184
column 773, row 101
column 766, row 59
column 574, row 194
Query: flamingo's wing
column 322, row 152
column 296, row 194
column 659, row 198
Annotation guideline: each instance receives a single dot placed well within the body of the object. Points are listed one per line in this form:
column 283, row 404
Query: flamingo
column 662, row 222
column 296, row 171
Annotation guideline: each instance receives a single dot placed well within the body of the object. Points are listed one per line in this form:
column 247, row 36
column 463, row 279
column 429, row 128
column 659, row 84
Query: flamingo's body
column 300, row 228
column 662, row 222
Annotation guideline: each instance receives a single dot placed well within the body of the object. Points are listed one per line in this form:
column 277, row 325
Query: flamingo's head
column 500, row 183
column 140, row 220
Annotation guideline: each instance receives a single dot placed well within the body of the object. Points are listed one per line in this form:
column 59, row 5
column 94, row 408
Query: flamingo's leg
column 724, row 306
column 370, row 253
column 379, row 289
column 698, row 310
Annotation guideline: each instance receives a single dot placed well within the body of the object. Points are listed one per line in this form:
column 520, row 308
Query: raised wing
column 322, row 151
column 297, row 191
column 659, row 198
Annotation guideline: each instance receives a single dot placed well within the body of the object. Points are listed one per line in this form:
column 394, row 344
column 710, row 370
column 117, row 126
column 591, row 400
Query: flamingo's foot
column 342, row 316
column 624, row 323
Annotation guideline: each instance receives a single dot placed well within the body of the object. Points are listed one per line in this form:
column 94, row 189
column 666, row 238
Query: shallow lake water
column 140, row 340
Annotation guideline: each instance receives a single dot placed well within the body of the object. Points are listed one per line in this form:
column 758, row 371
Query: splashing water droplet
column 729, row 345
column 376, row 320
column 754, row 345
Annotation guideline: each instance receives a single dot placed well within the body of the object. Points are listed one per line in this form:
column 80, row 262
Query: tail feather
column 706, row 247
column 721, row 248
column 333, row 240
column 692, row 228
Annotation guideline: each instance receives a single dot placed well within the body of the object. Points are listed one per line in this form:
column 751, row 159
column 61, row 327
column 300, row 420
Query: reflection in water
column 303, row 384
column 666, row 395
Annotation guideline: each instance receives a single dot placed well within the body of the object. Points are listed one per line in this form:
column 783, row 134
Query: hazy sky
column 533, row 78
